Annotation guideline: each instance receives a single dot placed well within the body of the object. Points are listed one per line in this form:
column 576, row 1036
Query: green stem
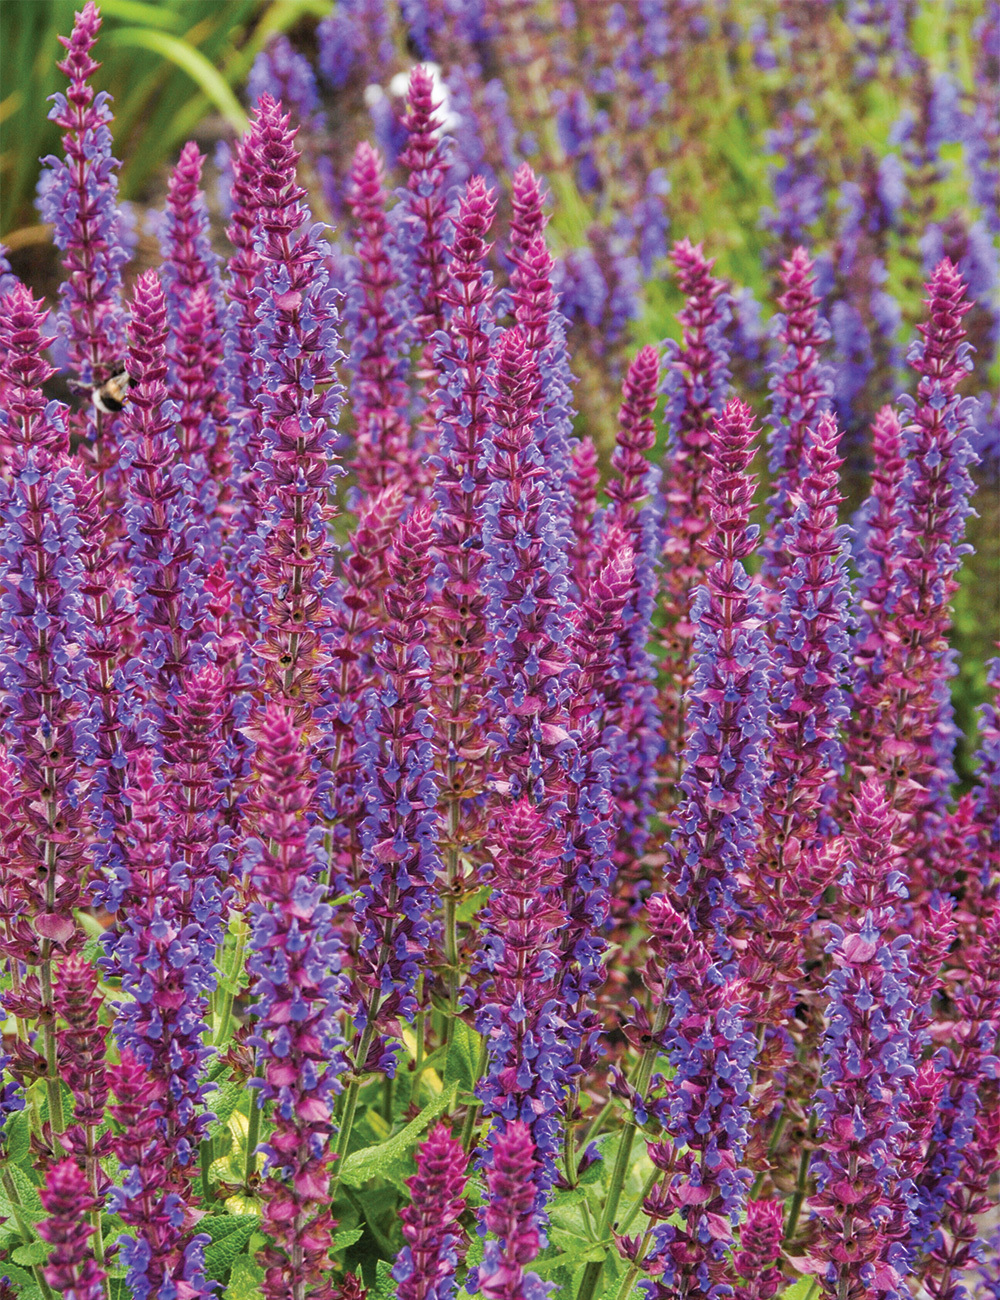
column 799, row 1196
column 253, row 1133
column 24, row 1228
column 227, row 995
column 474, row 1104
column 594, row 1127
column 207, row 1155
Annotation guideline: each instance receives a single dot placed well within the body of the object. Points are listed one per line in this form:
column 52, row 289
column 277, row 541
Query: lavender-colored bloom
column 296, row 346
column 79, row 196
column 164, row 954
column 799, row 190
column 982, row 125
column 724, row 761
column 435, row 1241
column 355, row 39
column 288, row 77
column 519, row 1005
column 867, row 1060
column 398, row 835
column 526, row 586
column 298, row 995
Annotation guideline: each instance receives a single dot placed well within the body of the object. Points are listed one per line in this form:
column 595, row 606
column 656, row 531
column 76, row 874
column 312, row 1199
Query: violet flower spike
column 376, row 315
column 435, row 1239
column 398, row 835
column 79, row 196
column 800, row 390
column 297, row 997
column 582, row 482
column 867, row 1061
column 526, row 585
column 299, row 400
column 696, row 381
column 756, row 1261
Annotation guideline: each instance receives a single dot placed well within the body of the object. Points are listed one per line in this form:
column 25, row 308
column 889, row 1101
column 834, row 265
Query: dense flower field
column 436, row 853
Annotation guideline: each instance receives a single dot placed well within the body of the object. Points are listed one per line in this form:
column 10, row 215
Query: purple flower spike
column 79, row 196
column 867, row 1063
column 636, row 717
column 510, row 1217
column 376, row 312
column 801, row 391
column 297, row 992
column 78, row 1003
column 427, row 230
column 908, row 705
column 435, row 1241
column 582, row 483
column 398, row 835
column 519, row 1007
column 159, row 508
column 756, row 1261
column 69, row 1202
column 459, row 617
column 526, row 585
column 696, row 378
column 298, row 400
column 725, row 760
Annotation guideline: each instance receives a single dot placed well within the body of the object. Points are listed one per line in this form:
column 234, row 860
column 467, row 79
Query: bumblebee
column 111, row 396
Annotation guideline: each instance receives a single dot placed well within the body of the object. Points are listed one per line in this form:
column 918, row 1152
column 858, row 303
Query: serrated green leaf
column 26, row 1288
column 244, row 1280
column 33, row 1253
column 31, row 1204
column 17, row 1137
column 377, row 1161
column 221, row 1226
column 385, row 1283
column 799, row 1290
column 222, row 1254
column 344, row 1239
column 224, row 1103
column 462, row 1061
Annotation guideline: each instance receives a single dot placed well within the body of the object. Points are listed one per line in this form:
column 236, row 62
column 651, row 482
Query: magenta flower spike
column 397, row 760
column 879, row 559
column 435, row 1239
column 582, row 483
column 298, row 400
column 164, row 955
column 696, row 381
column 912, row 727
column 356, row 614
column 45, row 706
column 756, row 1261
column 376, row 313
column 82, row 1047
column 987, row 797
column 459, row 617
column 525, row 582
column 867, row 1064
column 196, row 313
column 725, row 760
column 68, row 1201
column 800, row 391
column 160, row 515
column 638, row 744
column 537, row 314
column 518, row 1006
column 510, row 1218
column 297, row 996
column 79, row 196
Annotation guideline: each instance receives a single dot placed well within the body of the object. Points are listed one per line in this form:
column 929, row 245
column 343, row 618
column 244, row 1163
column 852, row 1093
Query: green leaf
column 462, row 1063
column 799, row 1290
column 190, row 60
column 385, row 1283
column 378, row 1161
column 17, row 1133
column 344, row 1239
column 224, row 1103
column 244, row 1280
column 235, row 1231
column 25, row 1286
column 28, row 1193
column 31, row 1254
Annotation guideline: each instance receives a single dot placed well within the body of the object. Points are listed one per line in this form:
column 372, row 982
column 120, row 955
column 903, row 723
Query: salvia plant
column 448, row 843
